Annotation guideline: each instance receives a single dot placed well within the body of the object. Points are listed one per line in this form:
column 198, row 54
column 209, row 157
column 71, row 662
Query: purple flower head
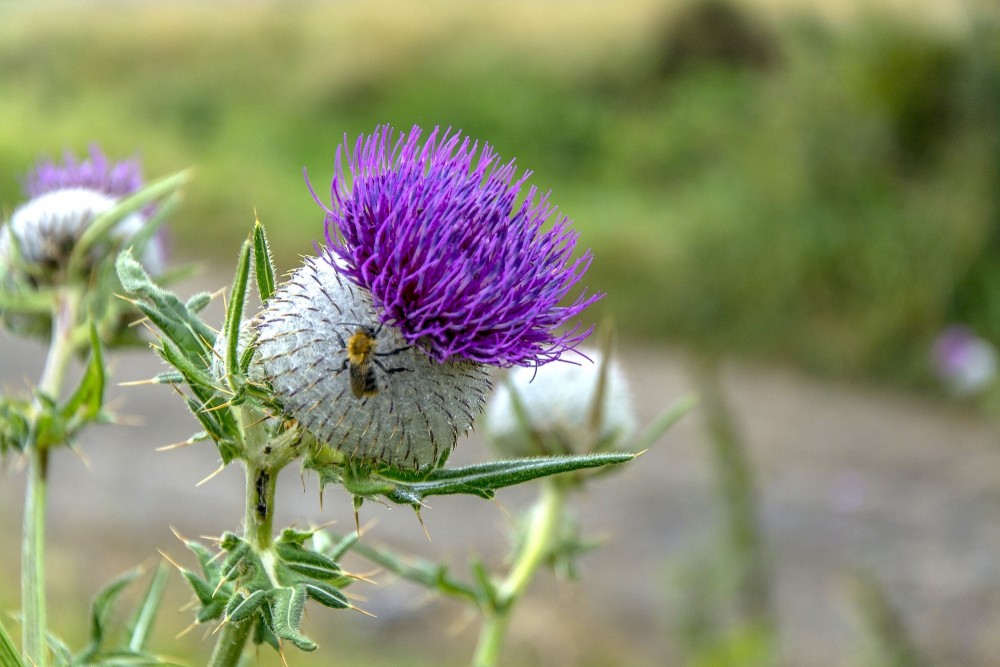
column 64, row 199
column 434, row 231
column 116, row 179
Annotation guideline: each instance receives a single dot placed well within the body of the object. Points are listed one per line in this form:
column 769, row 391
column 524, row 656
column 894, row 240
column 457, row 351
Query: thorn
column 178, row 535
column 80, row 455
column 186, row 630
column 259, row 421
column 327, row 524
column 422, row 525
column 222, row 582
column 126, row 298
column 176, row 445
column 361, row 531
column 221, row 406
column 357, row 505
column 500, row 506
column 363, row 577
column 169, row 559
column 137, row 383
column 212, row 474
column 359, row 609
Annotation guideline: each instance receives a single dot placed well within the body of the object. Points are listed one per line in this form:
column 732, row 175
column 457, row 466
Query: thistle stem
column 33, row 559
column 545, row 517
column 33, row 631
column 261, row 481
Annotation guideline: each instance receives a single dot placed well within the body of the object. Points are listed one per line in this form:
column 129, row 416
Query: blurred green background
column 776, row 180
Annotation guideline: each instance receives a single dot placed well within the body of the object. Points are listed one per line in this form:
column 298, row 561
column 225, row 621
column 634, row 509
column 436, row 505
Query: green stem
column 736, row 488
column 64, row 320
column 545, row 518
column 261, row 481
column 33, row 559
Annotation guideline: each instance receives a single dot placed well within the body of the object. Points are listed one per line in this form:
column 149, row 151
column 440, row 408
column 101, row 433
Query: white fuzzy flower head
column 557, row 402
column 354, row 383
column 41, row 234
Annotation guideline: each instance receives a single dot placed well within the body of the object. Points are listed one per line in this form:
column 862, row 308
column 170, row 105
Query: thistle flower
column 65, row 198
column 451, row 260
column 432, row 272
column 118, row 179
column 556, row 404
column 966, row 363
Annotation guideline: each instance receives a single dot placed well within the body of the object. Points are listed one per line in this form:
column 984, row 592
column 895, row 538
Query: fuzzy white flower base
column 419, row 407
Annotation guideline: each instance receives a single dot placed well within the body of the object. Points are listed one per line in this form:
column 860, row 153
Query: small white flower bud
column 557, row 400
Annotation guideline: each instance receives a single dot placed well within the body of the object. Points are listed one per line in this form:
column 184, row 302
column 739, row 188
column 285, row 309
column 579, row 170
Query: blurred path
column 851, row 478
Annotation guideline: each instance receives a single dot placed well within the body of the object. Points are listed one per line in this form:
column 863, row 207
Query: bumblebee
column 362, row 360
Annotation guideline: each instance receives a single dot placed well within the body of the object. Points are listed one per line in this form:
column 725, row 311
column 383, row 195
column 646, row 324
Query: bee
column 362, row 360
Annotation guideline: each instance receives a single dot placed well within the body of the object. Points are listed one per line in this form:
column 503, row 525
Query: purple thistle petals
column 433, row 231
column 98, row 173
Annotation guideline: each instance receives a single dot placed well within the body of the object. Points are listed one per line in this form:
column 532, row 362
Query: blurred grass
column 819, row 193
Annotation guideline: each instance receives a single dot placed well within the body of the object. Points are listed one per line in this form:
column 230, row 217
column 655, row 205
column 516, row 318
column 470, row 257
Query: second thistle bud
column 562, row 409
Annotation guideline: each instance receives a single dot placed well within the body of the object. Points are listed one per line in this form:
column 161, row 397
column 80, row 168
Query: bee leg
column 388, row 370
column 396, row 351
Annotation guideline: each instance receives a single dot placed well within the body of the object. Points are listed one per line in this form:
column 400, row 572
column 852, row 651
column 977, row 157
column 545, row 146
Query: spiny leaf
column 326, row 595
column 307, row 562
column 286, row 610
column 141, row 625
column 164, row 309
column 204, row 591
column 263, row 264
column 206, row 559
column 262, row 632
column 210, row 612
column 197, row 302
column 100, row 610
column 242, row 607
column 429, row 574
column 234, row 314
column 480, row 480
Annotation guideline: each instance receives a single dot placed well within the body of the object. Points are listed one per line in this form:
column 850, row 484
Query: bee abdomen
column 363, row 381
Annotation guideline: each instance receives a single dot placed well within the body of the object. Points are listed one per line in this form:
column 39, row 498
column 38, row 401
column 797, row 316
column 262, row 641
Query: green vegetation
column 824, row 195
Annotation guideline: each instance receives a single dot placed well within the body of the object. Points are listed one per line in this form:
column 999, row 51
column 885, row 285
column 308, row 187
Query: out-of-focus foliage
column 780, row 187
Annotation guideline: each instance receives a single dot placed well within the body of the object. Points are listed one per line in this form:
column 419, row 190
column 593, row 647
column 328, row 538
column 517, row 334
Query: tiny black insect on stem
column 262, row 480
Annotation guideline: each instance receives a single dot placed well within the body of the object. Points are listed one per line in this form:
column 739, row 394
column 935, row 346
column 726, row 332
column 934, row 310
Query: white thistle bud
column 558, row 401
column 354, row 383
column 46, row 229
